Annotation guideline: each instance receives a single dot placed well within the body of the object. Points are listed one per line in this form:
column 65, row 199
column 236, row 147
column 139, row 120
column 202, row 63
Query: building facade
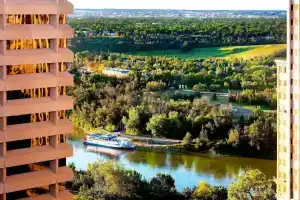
column 33, row 99
column 288, row 111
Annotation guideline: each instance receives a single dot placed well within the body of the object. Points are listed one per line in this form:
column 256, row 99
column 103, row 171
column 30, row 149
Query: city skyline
column 186, row 5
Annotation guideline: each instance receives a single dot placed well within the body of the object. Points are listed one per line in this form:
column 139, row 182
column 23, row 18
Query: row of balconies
column 42, row 80
column 35, row 105
column 38, row 154
column 33, row 130
column 36, row 31
column 35, row 154
column 35, row 7
column 35, row 179
column 23, row 57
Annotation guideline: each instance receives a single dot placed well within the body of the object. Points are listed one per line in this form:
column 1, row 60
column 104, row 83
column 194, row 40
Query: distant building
column 119, row 73
column 288, row 111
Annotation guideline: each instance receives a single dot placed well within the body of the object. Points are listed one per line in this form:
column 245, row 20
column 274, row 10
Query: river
column 186, row 168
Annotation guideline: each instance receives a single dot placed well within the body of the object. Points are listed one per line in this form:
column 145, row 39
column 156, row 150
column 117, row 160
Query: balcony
column 33, row 130
column 37, row 154
column 35, row 105
column 40, row 80
column 23, row 57
column 35, row 31
column 36, row 7
column 36, row 179
column 63, row 195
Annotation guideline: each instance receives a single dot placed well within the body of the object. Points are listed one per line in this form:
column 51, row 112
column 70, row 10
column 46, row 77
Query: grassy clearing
column 245, row 52
column 262, row 50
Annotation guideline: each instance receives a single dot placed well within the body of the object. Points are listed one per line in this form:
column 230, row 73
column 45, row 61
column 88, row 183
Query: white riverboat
column 108, row 141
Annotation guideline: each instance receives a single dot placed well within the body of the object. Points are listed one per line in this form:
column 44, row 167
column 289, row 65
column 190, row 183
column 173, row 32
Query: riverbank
column 147, row 143
column 150, row 147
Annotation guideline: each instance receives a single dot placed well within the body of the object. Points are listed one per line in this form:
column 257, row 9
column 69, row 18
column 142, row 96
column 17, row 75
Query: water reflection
column 187, row 169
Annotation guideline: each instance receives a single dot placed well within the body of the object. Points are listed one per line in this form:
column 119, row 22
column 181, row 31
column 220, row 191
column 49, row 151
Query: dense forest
column 144, row 103
column 136, row 34
column 201, row 75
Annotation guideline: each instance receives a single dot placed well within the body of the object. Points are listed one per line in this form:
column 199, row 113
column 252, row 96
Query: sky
column 184, row 4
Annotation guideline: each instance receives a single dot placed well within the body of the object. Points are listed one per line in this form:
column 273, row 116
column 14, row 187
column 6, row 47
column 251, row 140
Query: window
column 294, row 172
column 28, row 193
column 62, row 19
column 28, row 69
column 28, row 19
column 284, row 149
column 29, row 93
column 21, row 119
column 294, row 127
column 21, row 144
column 10, row 171
column 28, row 44
column 294, row 112
column 294, row 186
column 62, row 162
column 62, row 138
column 284, row 175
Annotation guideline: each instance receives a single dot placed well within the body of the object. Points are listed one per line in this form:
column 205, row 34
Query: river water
column 186, row 168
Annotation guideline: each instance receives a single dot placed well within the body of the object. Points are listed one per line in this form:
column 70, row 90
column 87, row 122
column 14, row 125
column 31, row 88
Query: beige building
column 33, row 100
column 288, row 126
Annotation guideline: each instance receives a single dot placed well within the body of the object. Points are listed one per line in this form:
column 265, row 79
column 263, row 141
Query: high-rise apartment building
column 33, row 99
column 288, row 111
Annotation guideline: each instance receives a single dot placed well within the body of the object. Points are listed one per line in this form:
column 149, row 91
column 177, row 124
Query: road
column 217, row 93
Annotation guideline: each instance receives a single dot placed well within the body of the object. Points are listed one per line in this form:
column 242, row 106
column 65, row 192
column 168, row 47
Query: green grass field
column 245, row 52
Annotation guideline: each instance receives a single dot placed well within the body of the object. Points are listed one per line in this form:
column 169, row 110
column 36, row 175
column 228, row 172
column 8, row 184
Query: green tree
column 199, row 87
column 203, row 191
column 136, row 123
column 158, row 125
column 219, row 193
column 234, row 137
column 185, row 47
column 166, row 126
column 252, row 185
column 226, row 85
column 110, row 181
column 219, row 71
column 187, row 140
column 163, row 186
column 262, row 133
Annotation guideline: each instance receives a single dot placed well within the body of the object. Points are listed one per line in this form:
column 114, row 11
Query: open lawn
column 245, row 52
